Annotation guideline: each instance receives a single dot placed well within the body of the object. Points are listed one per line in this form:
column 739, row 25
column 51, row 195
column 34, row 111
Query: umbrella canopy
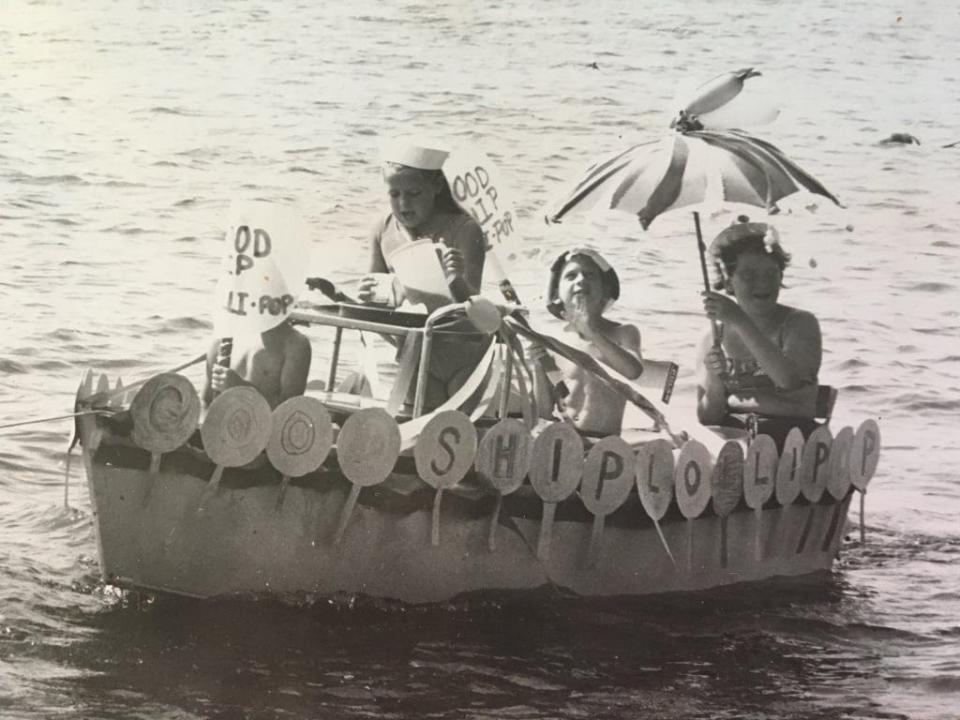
column 686, row 168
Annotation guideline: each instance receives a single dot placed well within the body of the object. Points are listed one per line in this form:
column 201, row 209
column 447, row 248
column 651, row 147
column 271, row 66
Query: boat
column 334, row 493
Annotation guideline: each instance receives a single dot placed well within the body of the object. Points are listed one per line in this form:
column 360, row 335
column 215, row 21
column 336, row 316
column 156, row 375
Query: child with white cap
column 582, row 285
column 422, row 208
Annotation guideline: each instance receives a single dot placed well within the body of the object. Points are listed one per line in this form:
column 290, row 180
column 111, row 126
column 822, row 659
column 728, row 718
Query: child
column 275, row 362
column 422, row 207
column 769, row 354
column 581, row 287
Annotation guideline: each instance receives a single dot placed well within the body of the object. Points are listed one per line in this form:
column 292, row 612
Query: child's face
column 756, row 282
column 581, row 286
column 413, row 196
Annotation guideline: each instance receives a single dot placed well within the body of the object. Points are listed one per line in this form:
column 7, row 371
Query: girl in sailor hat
column 422, row 208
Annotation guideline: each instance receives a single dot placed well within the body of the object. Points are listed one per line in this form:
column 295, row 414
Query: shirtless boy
column 275, row 362
column 582, row 285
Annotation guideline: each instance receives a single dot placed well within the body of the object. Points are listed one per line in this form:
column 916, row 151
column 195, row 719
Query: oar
column 57, row 417
column 98, row 397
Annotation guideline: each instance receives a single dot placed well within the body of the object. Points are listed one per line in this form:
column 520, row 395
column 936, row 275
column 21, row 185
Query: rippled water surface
column 128, row 127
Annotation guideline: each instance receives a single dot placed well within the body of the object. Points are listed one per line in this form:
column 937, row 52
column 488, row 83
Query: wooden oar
column 83, row 413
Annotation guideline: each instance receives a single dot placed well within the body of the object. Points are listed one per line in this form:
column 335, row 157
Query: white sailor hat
column 414, row 152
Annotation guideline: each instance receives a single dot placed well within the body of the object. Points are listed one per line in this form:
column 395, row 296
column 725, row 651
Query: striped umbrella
column 691, row 167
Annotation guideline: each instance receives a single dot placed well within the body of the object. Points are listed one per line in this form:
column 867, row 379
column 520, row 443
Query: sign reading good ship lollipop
column 264, row 268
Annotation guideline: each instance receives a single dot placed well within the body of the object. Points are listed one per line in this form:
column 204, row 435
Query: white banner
column 264, row 268
column 478, row 188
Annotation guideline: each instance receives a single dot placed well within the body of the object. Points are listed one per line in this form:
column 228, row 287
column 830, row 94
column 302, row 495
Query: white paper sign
column 263, row 270
column 478, row 188
column 417, row 266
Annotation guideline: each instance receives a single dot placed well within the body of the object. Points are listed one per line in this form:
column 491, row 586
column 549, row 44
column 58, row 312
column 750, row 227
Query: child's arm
column 800, row 359
column 542, row 388
column 711, row 392
column 618, row 345
column 296, row 367
column 211, row 361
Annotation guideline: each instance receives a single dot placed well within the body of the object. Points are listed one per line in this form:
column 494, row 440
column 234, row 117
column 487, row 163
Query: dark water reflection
column 779, row 649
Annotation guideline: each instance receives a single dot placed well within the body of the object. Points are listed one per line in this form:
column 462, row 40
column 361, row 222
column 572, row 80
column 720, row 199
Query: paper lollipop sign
column 235, row 430
column 502, row 461
column 444, row 453
column 367, row 450
column 655, row 484
column 300, row 440
column 556, row 467
column 726, row 487
column 608, row 478
column 165, row 413
column 263, row 270
column 760, row 469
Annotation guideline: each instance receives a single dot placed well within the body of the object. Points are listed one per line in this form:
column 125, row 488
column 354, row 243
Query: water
column 127, row 129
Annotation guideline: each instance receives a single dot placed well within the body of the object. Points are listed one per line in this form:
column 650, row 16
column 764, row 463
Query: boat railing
column 417, row 330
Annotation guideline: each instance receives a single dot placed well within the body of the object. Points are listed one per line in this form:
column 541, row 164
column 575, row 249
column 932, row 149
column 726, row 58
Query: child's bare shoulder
column 626, row 334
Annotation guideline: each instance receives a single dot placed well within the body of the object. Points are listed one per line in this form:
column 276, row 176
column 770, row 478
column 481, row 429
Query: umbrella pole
column 702, row 250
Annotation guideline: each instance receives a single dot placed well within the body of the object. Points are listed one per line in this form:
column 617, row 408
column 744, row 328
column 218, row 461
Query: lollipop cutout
column 367, row 450
column 234, row 432
column 654, row 470
column 608, row 477
column 164, row 413
column 556, row 467
column 726, row 488
column 691, row 480
column 788, row 481
column 445, row 451
column 814, row 472
column 759, row 471
column 300, row 440
column 864, row 456
column 838, row 480
column 503, row 458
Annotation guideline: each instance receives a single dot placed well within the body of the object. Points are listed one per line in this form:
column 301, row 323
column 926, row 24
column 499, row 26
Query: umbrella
column 693, row 166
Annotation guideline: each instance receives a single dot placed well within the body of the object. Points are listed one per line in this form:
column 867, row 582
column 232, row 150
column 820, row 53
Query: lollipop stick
column 435, row 520
column 347, row 512
column 494, row 521
column 283, row 492
column 211, row 489
column 663, row 541
column 546, row 524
